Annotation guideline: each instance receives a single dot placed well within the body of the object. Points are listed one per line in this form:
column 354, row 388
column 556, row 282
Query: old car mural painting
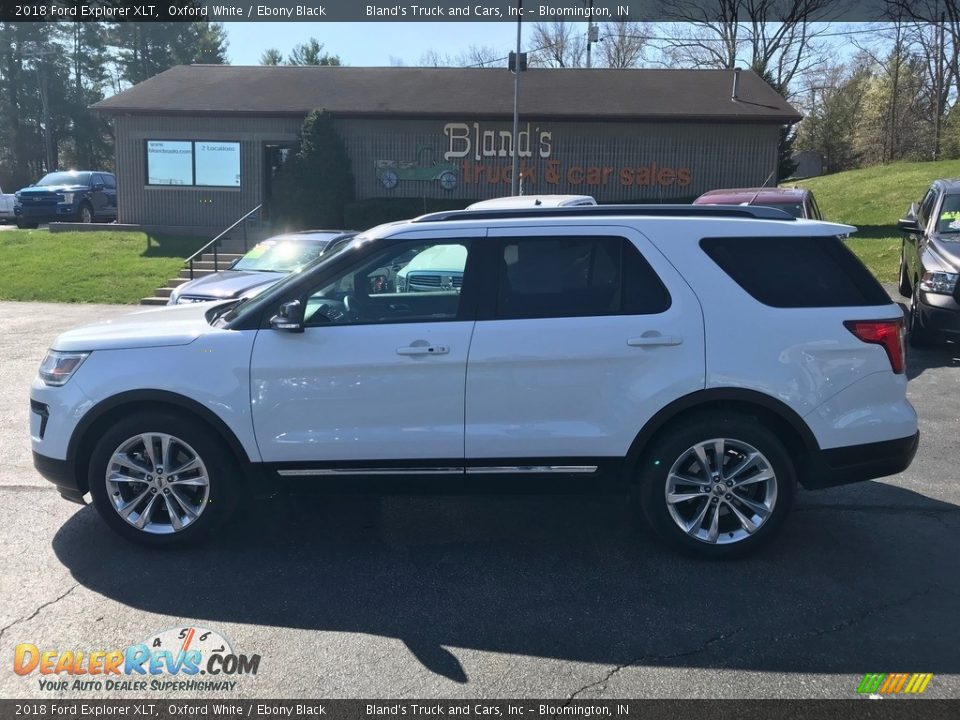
column 424, row 168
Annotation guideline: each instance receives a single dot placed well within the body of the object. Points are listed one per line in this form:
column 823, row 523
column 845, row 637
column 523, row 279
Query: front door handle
column 423, row 350
column 654, row 340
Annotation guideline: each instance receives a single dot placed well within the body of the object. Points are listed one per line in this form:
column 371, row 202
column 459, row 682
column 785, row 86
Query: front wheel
column 918, row 335
column 717, row 486
column 903, row 286
column 162, row 480
column 86, row 214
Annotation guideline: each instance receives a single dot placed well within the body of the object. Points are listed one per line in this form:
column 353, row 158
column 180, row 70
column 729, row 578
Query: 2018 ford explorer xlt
column 708, row 359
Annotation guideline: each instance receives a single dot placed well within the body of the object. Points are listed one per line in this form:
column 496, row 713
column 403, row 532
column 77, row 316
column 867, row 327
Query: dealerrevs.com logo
column 179, row 659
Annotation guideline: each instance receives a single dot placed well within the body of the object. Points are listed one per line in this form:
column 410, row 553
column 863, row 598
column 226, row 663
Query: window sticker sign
column 169, row 162
column 218, row 164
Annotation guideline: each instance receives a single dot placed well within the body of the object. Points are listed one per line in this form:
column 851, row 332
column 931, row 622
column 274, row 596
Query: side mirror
column 98, row 186
column 290, row 317
column 908, row 224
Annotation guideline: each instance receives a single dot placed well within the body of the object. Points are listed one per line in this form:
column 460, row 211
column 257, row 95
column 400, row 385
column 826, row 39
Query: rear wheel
column 718, row 485
column 162, row 480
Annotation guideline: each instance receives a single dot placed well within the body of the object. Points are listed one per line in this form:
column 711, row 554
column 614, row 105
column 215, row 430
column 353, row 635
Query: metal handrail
column 216, row 241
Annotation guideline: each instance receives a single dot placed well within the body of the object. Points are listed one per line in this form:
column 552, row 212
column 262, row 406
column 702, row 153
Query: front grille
column 437, row 280
column 35, row 201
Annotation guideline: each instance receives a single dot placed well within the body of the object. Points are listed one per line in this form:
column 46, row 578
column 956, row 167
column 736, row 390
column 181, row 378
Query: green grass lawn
column 90, row 267
column 874, row 199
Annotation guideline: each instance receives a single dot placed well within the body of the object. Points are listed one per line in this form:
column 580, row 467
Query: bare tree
column 622, row 43
column 559, row 45
column 474, row 56
column 774, row 37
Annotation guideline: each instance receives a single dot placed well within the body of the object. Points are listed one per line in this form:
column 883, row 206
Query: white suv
column 707, row 359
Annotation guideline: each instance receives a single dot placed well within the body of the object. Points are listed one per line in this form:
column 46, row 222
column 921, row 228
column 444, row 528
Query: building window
column 201, row 163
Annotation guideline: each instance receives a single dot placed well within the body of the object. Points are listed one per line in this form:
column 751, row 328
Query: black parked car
column 930, row 263
column 75, row 196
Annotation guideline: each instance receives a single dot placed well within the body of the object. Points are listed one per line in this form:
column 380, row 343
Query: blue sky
column 368, row 43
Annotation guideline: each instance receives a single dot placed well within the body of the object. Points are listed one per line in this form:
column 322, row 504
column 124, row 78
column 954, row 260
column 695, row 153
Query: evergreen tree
column 316, row 183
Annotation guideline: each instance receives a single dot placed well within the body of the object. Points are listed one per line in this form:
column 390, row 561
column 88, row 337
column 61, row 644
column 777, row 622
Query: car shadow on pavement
column 943, row 354
column 856, row 582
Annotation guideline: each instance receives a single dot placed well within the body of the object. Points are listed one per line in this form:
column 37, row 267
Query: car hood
column 228, row 284
column 948, row 250
column 161, row 327
column 42, row 190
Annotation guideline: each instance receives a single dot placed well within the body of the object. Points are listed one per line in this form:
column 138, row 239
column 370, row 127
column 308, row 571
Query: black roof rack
column 758, row 212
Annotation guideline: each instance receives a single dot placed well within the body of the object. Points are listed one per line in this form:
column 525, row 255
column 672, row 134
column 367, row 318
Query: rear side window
column 797, row 272
column 576, row 277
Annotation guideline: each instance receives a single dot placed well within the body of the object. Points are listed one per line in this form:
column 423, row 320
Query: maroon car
column 799, row 202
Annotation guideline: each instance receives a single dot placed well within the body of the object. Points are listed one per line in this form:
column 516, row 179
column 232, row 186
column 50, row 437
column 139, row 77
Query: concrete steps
column 201, row 267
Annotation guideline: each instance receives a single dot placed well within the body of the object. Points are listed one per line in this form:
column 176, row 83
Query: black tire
column 904, row 287
column 674, row 443
column 27, row 225
column 918, row 336
column 224, row 478
column 86, row 213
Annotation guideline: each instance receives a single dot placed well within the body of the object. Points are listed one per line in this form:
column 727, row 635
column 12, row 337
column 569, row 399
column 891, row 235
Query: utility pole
column 515, row 142
column 591, row 31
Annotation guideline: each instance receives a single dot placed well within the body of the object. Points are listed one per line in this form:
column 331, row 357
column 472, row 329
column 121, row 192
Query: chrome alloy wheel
column 721, row 491
column 157, row 483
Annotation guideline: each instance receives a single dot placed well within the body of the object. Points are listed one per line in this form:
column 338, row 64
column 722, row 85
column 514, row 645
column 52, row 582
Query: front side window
column 926, row 206
column 417, row 281
column 948, row 223
column 576, row 277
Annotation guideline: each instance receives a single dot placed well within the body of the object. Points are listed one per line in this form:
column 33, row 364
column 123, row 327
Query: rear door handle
column 654, row 340
column 423, row 350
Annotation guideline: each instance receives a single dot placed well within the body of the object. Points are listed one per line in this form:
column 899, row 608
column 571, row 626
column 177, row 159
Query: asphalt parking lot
column 558, row 597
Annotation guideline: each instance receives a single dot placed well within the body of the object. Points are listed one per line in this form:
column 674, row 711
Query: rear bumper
column 855, row 463
column 59, row 473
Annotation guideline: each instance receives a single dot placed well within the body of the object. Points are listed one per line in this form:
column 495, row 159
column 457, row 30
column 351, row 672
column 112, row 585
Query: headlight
column 16, row 196
column 939, row 282
column 68, row 198
column 58, row 367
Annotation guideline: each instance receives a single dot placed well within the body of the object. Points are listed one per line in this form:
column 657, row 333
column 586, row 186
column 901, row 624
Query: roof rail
column 758, row 212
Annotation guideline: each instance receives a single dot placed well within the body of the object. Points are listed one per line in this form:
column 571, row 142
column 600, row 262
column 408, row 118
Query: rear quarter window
column 796, row 272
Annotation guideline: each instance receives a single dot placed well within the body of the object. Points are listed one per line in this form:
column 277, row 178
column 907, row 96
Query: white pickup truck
column 6, row 206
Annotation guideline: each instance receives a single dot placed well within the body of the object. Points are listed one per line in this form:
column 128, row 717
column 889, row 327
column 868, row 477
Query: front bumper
column 46, row 213
column 940, row 313
column 60, row 474
column 856, row 463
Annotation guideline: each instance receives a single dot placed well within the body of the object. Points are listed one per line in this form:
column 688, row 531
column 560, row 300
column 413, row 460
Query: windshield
column 283, row 254
column 949, row 221
column 66, row 178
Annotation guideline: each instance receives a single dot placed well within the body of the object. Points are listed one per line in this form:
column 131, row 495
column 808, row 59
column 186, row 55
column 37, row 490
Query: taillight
column 887, row 333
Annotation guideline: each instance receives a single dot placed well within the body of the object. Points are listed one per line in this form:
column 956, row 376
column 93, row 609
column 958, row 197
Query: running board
column 471, row 470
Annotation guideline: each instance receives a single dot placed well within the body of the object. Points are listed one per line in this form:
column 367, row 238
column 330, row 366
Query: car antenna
column 757, row 193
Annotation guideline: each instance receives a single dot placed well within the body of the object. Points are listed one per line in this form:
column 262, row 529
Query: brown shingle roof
column 462, row 92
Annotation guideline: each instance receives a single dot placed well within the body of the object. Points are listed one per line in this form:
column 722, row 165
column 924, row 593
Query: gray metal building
column 198, row 146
